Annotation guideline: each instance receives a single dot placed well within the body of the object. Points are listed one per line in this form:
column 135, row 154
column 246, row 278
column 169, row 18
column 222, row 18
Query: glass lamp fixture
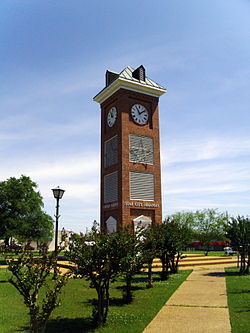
column 58, row 192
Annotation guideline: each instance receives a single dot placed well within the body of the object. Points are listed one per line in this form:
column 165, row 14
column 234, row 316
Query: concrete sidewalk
column 199, row 305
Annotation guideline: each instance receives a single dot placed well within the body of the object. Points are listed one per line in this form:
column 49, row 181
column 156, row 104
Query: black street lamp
column 58, row 193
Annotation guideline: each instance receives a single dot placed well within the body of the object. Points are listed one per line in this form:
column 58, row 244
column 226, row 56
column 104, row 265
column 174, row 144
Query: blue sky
column 53, row 57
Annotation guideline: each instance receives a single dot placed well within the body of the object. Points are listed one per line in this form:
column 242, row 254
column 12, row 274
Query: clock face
column 139, row 114
column 112, row 116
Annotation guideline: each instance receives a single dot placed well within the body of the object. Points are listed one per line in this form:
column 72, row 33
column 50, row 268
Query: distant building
column 50, row 240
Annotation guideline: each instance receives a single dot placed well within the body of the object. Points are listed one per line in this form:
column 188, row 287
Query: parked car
column 229, row 251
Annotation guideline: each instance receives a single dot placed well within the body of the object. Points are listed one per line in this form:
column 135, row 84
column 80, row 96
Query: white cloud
column 66, row 167
column 199, row 149
column 220, row 188
column 209, row 174
column 182, row 204
column 212, row 172
column 79, row 175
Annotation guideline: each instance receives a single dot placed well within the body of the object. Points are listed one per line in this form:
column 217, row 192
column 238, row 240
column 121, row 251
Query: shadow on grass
column 4, row 281
column 116, row 301
column 239, row 292
column 23, row 329
column 223, row 274
column 143, row 278
column 66, row 325
column 240, row 311
column 133, row 288
column 112, row 302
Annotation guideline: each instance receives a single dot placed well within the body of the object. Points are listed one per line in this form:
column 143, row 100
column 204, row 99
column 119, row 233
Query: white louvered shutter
column 141, row 149
column 111, row 187
column 111, row 151
column 141, row 186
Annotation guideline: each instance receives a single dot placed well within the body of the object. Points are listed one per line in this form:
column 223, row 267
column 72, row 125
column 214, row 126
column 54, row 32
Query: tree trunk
column 243, row 263
column 177, row 263
column 150, row 280
column 106, row 302
column 164, row 271
column 36, row 326
column 128, row 293
column 98, row 315
column 6, row 241
column 207, row 247
column 172, row 265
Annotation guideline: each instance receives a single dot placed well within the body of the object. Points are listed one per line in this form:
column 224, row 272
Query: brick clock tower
column 130, row 150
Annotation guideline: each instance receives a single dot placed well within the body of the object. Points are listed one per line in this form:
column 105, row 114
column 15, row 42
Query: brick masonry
column 125, row 211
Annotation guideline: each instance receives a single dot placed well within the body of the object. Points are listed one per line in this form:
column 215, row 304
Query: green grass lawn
column 36, row 254
column 238, row 291
column 210, row 253
column 74, row 314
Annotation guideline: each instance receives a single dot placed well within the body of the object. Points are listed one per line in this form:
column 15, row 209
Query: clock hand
column 142, row 111
column 137, row 110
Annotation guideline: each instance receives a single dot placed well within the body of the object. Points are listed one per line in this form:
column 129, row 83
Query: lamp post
column 58, row 194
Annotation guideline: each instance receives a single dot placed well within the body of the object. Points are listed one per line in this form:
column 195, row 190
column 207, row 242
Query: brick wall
column 123, row 100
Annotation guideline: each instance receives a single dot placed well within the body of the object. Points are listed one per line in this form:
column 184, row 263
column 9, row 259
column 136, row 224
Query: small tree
column 131, row 262
column 238, row 231
column 183, row 218
column 149, row 246
column 29, row 275
column 176, row 236
column 97, row 257
column 209, row 226
column 157, row 240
